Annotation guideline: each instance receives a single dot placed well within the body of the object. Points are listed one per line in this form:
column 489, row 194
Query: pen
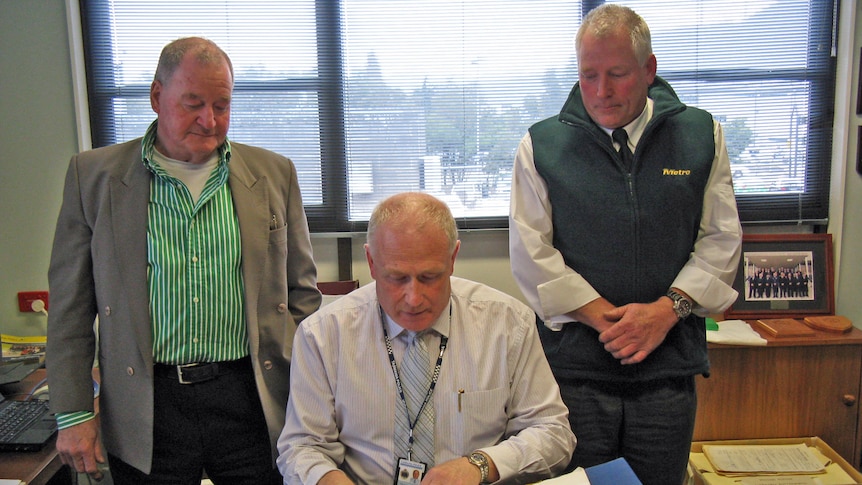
column 460, row 393
column 274, row 223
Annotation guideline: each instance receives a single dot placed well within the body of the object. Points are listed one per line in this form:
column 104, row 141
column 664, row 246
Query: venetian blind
column 374, row 97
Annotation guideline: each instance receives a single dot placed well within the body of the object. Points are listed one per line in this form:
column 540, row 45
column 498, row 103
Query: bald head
column 416, row 211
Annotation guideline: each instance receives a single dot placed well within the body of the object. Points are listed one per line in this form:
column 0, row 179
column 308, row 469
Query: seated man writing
column 421, row 376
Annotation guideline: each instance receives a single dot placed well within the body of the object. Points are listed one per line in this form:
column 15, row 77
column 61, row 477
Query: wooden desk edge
column 820, row 337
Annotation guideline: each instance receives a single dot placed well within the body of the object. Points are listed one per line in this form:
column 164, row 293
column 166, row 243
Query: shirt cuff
column 563, row 295
column 710, row 294
column 67, row 420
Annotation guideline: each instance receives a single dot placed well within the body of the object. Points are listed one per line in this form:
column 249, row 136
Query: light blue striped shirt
column 495, row 390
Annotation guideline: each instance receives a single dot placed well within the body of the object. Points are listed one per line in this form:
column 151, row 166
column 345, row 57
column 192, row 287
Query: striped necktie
column 416, row 372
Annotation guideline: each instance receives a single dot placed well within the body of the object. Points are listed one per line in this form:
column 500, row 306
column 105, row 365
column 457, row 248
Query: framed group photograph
column 784, row 276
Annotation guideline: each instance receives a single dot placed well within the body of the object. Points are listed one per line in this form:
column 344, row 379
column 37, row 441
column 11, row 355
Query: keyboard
column 16, row 416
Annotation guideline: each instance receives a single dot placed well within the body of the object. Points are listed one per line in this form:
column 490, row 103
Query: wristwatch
column 681, row 304
column 480, row 460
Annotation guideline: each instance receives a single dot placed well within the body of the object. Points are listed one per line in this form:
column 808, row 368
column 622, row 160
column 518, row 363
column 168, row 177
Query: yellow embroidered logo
column 678, row 173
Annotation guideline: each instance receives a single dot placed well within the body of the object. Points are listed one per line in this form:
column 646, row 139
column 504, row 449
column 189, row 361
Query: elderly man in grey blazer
column 194, row 253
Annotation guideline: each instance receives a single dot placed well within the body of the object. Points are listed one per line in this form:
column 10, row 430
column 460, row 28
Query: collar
column 635, row 129
column 148, row 148
column 441, row 325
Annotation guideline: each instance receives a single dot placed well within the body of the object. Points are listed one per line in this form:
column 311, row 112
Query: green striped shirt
column 194, row 267
column 194, row 270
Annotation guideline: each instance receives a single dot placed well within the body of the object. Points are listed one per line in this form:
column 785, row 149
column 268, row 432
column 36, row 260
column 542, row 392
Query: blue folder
column 614, row 472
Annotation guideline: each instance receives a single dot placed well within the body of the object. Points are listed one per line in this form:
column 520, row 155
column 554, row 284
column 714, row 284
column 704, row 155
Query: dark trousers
column 215, row 426
column 650, row 424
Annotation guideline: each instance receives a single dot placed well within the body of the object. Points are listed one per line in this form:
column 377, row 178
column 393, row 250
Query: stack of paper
column 738, row 464
column 772, row 459
column 734, row 332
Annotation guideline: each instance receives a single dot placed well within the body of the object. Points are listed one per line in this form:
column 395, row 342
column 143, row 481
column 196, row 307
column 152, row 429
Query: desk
column 41, row 467
column 790, row 388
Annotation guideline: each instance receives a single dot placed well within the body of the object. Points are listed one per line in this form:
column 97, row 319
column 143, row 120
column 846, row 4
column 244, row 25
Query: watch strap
column 480, row 461
column 681, row 305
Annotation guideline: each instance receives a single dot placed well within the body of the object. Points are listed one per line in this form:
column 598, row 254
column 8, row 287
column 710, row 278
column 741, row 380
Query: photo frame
column 784, row 276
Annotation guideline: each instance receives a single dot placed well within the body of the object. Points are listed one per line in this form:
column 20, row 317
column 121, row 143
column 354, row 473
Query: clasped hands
column 629, row 332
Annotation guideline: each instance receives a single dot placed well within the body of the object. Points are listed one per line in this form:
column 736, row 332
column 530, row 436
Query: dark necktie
column 620, row 136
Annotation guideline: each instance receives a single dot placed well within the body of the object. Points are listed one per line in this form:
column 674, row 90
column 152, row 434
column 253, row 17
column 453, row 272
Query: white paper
column 796, row 458
column 734, row 332
column 576, row 477
column 779, row 481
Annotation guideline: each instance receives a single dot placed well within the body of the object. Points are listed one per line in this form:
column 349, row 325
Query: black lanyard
column 443, row 341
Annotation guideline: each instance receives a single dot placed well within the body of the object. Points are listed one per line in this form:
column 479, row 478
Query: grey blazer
column 99, row 267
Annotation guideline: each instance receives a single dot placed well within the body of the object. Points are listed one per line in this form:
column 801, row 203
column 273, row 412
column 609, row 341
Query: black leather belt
column 201, row 372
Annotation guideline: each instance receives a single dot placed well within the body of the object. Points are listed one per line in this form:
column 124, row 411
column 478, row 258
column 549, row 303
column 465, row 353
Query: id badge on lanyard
column 409, row 472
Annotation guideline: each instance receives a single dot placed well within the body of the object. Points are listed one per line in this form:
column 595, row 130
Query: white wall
column 38, row 136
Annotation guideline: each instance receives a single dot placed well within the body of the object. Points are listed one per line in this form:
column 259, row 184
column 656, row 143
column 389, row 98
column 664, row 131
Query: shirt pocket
column 478, row 418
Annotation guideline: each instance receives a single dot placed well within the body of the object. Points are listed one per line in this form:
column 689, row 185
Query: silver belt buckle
column 180, row 368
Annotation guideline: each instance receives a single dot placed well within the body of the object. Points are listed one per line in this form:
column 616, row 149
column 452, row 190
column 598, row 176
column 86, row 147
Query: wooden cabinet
column 792, row 387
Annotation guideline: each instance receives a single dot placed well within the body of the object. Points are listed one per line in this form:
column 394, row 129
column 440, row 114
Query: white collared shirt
column 495, row 391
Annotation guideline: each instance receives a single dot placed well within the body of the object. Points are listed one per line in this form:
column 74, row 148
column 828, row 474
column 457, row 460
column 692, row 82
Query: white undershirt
column 193, row 175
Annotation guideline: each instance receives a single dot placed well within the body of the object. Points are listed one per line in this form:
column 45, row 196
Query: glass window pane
column 374, row 97
column 440, row 102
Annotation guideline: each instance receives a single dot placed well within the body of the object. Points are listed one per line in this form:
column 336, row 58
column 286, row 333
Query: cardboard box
column 696, row 477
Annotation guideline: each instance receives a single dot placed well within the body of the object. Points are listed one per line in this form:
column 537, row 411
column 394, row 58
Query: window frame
column 331, row 216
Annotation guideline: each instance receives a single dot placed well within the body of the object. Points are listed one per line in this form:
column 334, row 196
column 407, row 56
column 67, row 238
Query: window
column 373, row 97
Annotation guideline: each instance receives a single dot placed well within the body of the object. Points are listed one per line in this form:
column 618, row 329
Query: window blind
column 374, row 97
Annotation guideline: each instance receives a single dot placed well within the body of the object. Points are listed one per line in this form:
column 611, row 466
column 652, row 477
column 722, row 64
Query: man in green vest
column 624, row 234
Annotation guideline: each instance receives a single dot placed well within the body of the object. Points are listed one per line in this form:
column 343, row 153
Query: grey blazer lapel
column 250, row 198
column 129, row 198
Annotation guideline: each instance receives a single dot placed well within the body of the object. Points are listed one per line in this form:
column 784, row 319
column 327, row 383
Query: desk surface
column 33, row 467
column 820, row 337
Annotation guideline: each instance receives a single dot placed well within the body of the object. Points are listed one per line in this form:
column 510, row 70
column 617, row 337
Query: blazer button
column 267, row 364
column 130, row 371
column 282, row 308
column 107, row 311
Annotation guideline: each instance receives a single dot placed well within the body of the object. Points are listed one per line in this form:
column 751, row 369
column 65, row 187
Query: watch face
column 478, row 458
column 683, row 308
column 681, row 304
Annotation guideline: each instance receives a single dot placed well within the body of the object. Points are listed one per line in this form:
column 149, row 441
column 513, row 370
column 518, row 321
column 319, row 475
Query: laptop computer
column 15, row 367
column 25, row 425
column 16, row 370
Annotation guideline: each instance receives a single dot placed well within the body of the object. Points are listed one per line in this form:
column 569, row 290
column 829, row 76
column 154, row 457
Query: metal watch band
column 681, row 304
column 480, row 461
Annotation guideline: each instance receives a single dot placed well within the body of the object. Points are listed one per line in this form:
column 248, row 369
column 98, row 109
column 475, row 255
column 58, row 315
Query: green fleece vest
column 628, row 234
